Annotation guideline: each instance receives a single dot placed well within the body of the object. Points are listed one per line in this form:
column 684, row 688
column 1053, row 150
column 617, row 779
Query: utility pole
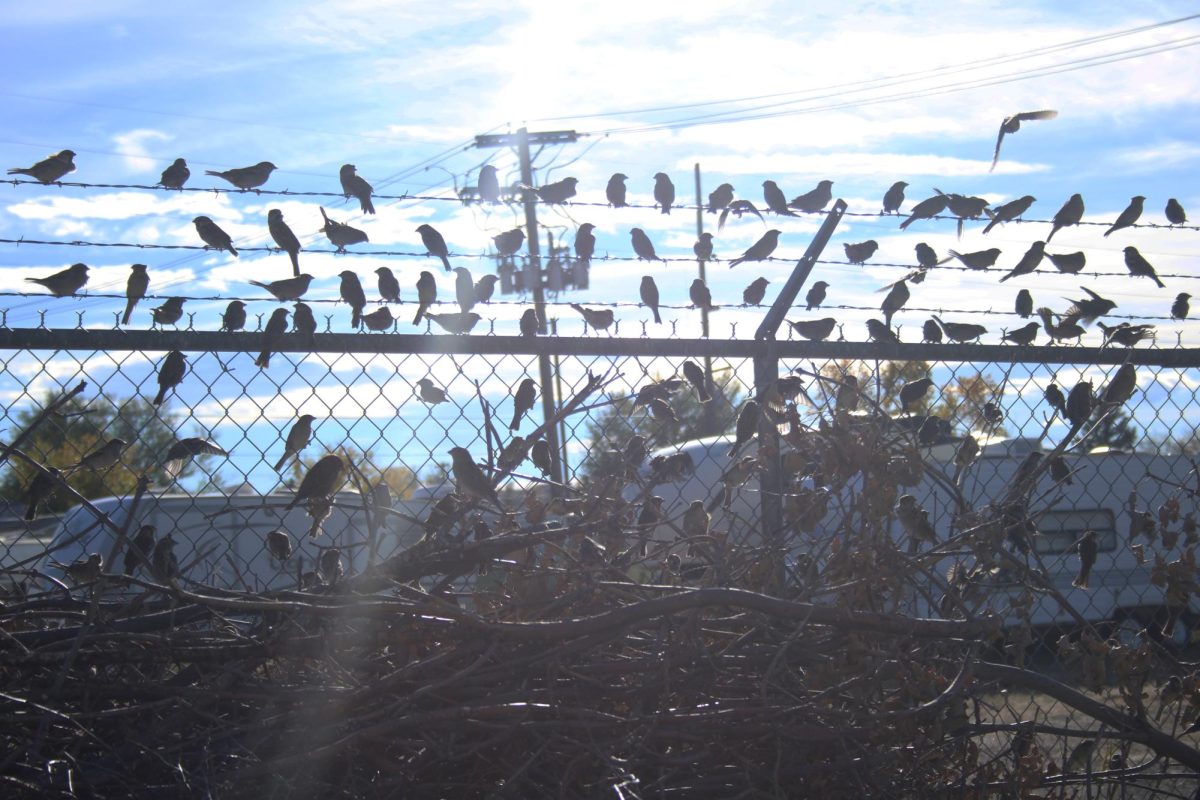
column 709, row 411
column 522, row 139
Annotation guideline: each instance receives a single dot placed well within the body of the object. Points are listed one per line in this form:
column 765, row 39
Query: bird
column 1023, row 335
column 1180, row 309
column 85, row 570
column 880, row 332
column 458, row 324
column 1120, row 388
column 322, row 480
column 509, row 242
column 135, row 289
column 41, row 487
column 700, row 296
column 330, row 566
column 354, row 184
column 703, row 248
column 1070, row 214
column 279, row 545
column 1089, row 308
column 926, row 255
column 426, row 295
column 287, row 290
column 1139, row 267
column 815, row 330
column 49, row 170
column 429, row 393
column 341, row 235
column 164, row 562
column 184, row 450
column 930, row 332
column 664, row 192
column 893, row 198
column 1009, row 211
column 176, row 175
column 815, row 295
column 961, row 331
column 539, row 454
column 753, row 294
column 848, row 394
column 234, row 316
column 65, row 283
column 720, row 198
column 814, row 200
column 1087, row 547
column 914, row 519
column 351, row 291
column 746, row 427
column 927, row 208
column 1013, row 124
column 284, row 238
column 598, row 319
column 1065, row 329
column 980, row 259
column 662, row 412
column 615, row 190
column 469, row 480
column 776, row 200
column 695, row 376
column 1129, row 216
column 170, row 374
column 529, row 322
column 389, row 287
column 738, row 208
column 212, row 235
column 649, row 294
column 298, row 437
column 1175, row 213
column 488, row 184
column 169, row 313
column 523, row 400
column 485, row 287
column 642, row 245
column 378, row 320
column 1029, row 262
column 304, row 323
column 557, row 192
column 585, row 242
column 273, row 332
column 141, row 546
column 464, row 289
column 101, row 457
column 1080, row 404
column 913, row 391
column 1068, row 263
column 1125, row 334
column 1024, row 304
column 894, row 301
column 860, row 252
column 696, row 520
column 246, row 177
column 1056, row 399
column 963, row 206
column 760, row 250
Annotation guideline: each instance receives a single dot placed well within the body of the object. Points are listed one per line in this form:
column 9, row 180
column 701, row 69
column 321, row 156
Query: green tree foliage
column 1116, row 431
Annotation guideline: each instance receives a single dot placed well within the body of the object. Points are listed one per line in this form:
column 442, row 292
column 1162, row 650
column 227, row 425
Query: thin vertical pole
column 710, row 413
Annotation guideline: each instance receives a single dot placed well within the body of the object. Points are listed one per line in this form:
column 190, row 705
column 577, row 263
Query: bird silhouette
column 776, row 200
column 485, row 287
column 815, row 330
column 926, row 255
column 930, row 332
column 321, row 482
column 469, row 480
column 1129, row 216
column 49, row 170
column 897, row 296
column 596, row 318
column 814, row 200
column 649, row 294
column 509, row 242
column 1068, row 263
column 298, row 437
column 753, row 294
column 1125, row 334
column 881, row 333
column 213, row 236
column 961, row 331
column 927, row 208
column 642, row 245
column 378, row 320
column 488, row 184
column 1023, row 335
column 1063, row 329
column 341, row 235
column 135, row 289
column 353, row 185
column 737, row 208
column 169, row 313
column 529, row 323
column 170, row 375
column 304, row 323
column 234, row 316
column 1175, row 213
column 893, row 198
column 1139, row 267
column 615, row 190
column 284, row 238
column 1024, row 304
column 426, row 295
column 176, row 175
column 273, row 333
column 102, row 457
column 860, row 252
column 279, row 545
column 1070, row 214
column 585, row 242
column 435, row 244
column 664, row 192
column 464, row 289
column 429, row 393
column 1009, row 211
column 389, row 287
column 246, row 177
column 815, row 296
column 703, row 248
column 558, row 192
column 720, row 198
column 1180, row 308
column 183, row 451
column 523, row 400
column 1029, row 262
column 1089, row 308
column 141, row 546
column 700, row 296
column 287, row 290
column 352, row 293
column 913, row 391
column 980, row 259
column 1013, row 124
column 760, row 250
column 458, row 324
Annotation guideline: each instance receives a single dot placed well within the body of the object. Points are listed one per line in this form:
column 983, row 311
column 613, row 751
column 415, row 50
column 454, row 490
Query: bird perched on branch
column 585, row 242
column 458, row 324
column 815, row 330
column 1023, row 335
column 65, row 283
column 304, row 323
column 1056, row 399
column 815, row 296
column 642, row 245
column 1070, row 214
column 322, row 481
column 760, row 250
column 41, row 487
column 213, row 236
column 378, row 320
column 1029, row 262
column 103, row 457
column 279, row 545
column 539, row 454
column 469, row 480
column 284, row 238
column 164, row 563
column 170, row 375
column 184, row 450
column 298, row 437
column 980, row 259
column 1120, row 388
column 49, row 170
column 1013, row 124
column 83, row 571
column 287, row 290
column 1129, row 216
column 1068, row 263
column 246, row 177
column 648, row 291
column 169, row 313
column 140, row 550
column 961, row 331
column 776, row 200
column 1080, row 404
column 488, row 184
column 389, row 287
column 1175, row 213
column 615, row 190
column 700, row 296
column 135, row 289
column 523, row 400
column 754, row 294
column 664, row 192
column 1009, row 211
column 426, row 295
column 695, row 376
column 273, row 332
column 1139, row 267
column 341, row 235
column 860, row 252
column 893, row 198
column 176, row 175
column 720, row 198
column 814, row 200
column 354, row 185
column 351, row 291
column 596, row 318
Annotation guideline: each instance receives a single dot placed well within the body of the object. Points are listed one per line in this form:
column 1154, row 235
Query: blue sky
column 388, row 86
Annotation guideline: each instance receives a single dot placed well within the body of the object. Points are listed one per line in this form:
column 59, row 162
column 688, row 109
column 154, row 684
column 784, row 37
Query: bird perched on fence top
column 926, row 255
column 176, row 175
column 753, row 294
column 509, row 242
column 341, row 235
column 523, row 400
column 1139, row 267
column 930, row 332
column 1125, row 334
column 642, row 245
column 469, row 480
column 860, row 252
column 664, row 192
column 557, row 192
column 169, row 313
column 354, row 184
column 1063, row 330
column 585, row 242
column 1009, row 211
column 929, row 207
column 700, row 296
column 378, row 320
column 170, row 374
column 893, row 198
column 760, row 250
column 284, row 238
column 776, row 200
column 815, row 330
column 298, row 437
column 488, row 184
column 304, row 323
column 351, row 291
column 103, row 457
column 1070, row 214
column 184, row 450
column 287, row 290
column 815, row 199
column 64, row 283
column 1175, row 213
column 1023, row 335
column 49, row 170
column 1013, row 124
column 458, row 324
column 322, row 480
column 597, row 318
column 961, row 331
column 720, row 198
column 1068, row 263
column 135, row 289
column 213, row 236
column 881, row 332
column 1129, row 216
column 648, row 290
column 273, row 332
column 246, row 177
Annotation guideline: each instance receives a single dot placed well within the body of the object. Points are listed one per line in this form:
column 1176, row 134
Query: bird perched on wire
column 485, row 287
column 776, row 200
column 1175, row 213
column 135, row 289
column 464, row 289
column 523, row 400
column 585, row 242
column 961, row 331
column 389, row 287
column 1180, row 308
column 322, row 480
column 379, row 320
column 615, row 190
column 458, row 324
column 83, row 571
column 1013, row 124
column 893, row 198
column 426, row 295
column 246, row 177
column 664, row 192
column 509, row 242
column 1062, row 330
column 860, row 252
column 926, row 255
column 469, row 480
column 815, row 330
column 926, row 209
column 1125, row 334
column 298, row 437
column 703, row 248
column 351, row 291
column 760, row 250
column 1129, row 216
column 273, row 333
column 1029, row 262
column 341, row 235
column 1070, row 214
column 648, row 290
column 557, row 192
column 596, row 318
column 881, row 332
column 896, row 297
column 284, row 238
column 170, row 374
column 1068, row 263
column 65, row 283
column 814, row 200
column 169, row 313
column 279, row 545
column 287, row 290
column 1023, row 335
column 980, row 259
column 1088, row 309
column 1139, row 267
column 754, row 294
column 41, row 487
column 354, row 185
column 304, row 323
column 176, row 175
column 488, row 184
column 700, row 296
column 815, row 295
column 1024, row 304
column 695, row 376
column 102, row 457
column 180, row 453
column 529, row 323
column 642, row 245
column 140, row 549
column 213, row 236
column 720, row 198
column 49, row 170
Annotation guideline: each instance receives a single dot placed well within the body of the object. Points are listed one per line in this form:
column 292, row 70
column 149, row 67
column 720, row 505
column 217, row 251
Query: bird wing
column 1047, row 113
column 999, row 140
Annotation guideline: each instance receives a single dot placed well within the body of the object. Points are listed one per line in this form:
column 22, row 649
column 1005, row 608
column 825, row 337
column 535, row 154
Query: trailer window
column 1062, row 528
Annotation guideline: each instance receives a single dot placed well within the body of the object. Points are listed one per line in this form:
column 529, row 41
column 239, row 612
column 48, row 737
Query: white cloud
column 872, row 164
column 132, row 146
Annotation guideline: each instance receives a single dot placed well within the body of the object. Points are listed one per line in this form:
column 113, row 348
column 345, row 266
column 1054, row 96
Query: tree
column 1115, row 431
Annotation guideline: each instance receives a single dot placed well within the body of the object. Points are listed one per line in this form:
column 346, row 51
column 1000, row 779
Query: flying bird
column 776, row 200
column 1070, row 214
column 760, row 250
column 273, row 332
column 860, row 252
column 1013, row 124
column 169, row 313
column 176, row 175
column 1139, row 267
column 426, row 295
column 664, row 192
column 815, row 296
column 1062, row 330
column 1009, row 211
column 585, row 242
column 389, row 287
column 354, row 185
column 1089, row 308
column 170, row 375
column 287, row 290
column 1129, row 216
column 596, row 318
column 649, row 294
column 284, row 238
column 814, row 200
column 893, row 198
column 212, row 235
column 1068, row 263
column 1125, row 334
column 183, row 451
column 246, row 177
column 523, row 400
column 1029, row 262
column 753, row 294
column 49, row 170
column 341, row 235
column 458, row 324
column 298, row 437
column 642, row 245
column 927, row 208
column 737, row 208
column 351, row 291
column 135, row 289
column 615, row 190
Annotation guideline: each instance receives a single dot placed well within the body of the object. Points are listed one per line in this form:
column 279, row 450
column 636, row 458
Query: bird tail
column 367, row 206
column 19, row 171
column 279, row 464
column 1161, row 285
column 31, row 511
column 214, row 172
column 657, row 318
column 128, row 311
column 446, row 263
column 233, row 249
column 356, row 317
column 906, row 223
column 161, row 396
column 294, row 255
column 735, row 262
column 263, row 360
column 420, row 313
